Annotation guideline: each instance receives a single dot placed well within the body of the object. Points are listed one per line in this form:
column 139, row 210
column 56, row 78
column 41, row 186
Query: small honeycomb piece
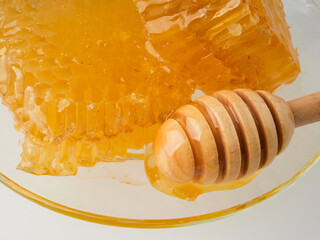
column 88, row 80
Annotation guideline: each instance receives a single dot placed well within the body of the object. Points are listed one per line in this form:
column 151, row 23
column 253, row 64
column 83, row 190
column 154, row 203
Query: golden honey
column 88, row 80
column 189, row 190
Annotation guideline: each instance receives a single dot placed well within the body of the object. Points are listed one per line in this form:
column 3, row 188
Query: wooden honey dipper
column 229, row 135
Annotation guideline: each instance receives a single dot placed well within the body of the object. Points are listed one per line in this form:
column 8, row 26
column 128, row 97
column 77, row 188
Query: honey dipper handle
column 306, row 109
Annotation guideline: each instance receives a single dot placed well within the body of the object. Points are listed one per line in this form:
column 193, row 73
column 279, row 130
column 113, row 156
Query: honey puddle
column 128, row 172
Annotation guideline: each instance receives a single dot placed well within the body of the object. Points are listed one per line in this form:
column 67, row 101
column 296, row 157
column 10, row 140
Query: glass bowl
column 119, row 193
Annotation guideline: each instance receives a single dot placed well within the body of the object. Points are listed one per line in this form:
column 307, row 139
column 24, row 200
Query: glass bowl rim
column 154, row 223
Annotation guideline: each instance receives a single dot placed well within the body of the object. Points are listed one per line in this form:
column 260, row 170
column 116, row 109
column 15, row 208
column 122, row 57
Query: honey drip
column 190, row 190
column 88, row 80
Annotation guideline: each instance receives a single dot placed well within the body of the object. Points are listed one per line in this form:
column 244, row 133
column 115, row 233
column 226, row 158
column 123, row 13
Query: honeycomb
column 92, row 80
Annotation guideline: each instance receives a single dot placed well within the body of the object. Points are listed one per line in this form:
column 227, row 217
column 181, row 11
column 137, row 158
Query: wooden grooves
column 224, row 137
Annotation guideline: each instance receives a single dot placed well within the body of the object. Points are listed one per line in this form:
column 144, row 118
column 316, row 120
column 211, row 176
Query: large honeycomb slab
column 87, row 80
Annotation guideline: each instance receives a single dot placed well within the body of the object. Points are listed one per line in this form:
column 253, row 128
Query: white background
column 293, row 214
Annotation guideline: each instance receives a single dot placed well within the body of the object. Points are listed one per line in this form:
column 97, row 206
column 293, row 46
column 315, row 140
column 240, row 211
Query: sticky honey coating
column 189, row 190
column 88, row 80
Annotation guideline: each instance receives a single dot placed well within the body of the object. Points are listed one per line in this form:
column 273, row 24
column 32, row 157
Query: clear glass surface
column 120, row 194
